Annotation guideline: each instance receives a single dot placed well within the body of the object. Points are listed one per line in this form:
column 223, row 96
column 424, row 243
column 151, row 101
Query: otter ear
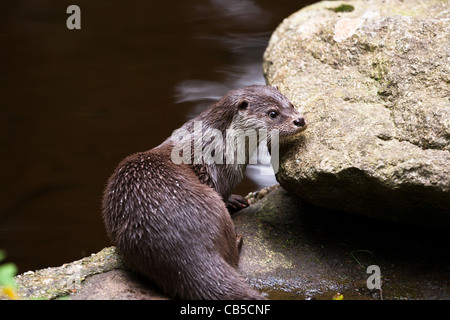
column 243, row 104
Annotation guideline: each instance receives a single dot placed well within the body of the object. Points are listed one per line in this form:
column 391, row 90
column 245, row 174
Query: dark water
column 75, row 102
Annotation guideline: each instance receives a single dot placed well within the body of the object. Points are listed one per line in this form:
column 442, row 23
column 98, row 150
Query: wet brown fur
column 169, row 221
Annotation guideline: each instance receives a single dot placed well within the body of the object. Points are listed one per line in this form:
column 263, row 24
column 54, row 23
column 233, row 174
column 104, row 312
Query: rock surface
column 373, row 80
column 291, row 251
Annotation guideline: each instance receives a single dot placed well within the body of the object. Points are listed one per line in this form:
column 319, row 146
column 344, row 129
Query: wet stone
column 291, row 250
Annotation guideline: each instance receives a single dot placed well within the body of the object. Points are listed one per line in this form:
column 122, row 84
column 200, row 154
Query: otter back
column 169, row 221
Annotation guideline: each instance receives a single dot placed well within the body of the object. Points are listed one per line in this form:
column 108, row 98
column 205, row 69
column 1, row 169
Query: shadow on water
column 75, row 102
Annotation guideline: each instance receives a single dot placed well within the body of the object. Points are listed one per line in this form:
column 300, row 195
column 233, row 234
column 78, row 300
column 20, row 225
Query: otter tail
column 210, row 279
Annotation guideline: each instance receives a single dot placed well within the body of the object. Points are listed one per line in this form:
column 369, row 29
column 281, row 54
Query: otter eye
column 273, row 114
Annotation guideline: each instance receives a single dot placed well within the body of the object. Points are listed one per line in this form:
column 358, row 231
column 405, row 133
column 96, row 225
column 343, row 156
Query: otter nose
column 300, row 122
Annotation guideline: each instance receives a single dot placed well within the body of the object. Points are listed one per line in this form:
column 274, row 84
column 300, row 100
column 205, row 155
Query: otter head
column 264, row 107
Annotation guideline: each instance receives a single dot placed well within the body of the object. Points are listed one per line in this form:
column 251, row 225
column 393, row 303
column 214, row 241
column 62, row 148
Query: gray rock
column 117, row 284
column 373, row 82
column 291, row 251
column 57, row 282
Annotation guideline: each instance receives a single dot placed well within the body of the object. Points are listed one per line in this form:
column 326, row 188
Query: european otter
column 169, row 221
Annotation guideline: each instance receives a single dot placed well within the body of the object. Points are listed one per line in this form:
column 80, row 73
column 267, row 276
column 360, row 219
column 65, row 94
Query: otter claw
column 235, row 203
column 239, row 242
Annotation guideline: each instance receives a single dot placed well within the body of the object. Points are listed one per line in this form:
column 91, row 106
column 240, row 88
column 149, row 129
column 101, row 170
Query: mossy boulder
column 373, row 81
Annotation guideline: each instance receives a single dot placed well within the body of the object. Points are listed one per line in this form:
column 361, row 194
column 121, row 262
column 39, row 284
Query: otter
column 170, row 222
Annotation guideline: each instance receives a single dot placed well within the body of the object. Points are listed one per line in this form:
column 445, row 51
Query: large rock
column 372, row 78
column 291, row 251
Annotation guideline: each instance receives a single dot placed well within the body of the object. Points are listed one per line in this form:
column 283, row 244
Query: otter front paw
column 235, row 203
